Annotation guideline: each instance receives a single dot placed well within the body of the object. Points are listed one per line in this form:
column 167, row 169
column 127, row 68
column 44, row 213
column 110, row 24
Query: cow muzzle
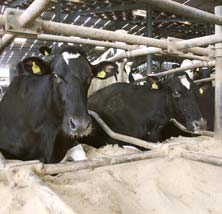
column 198, row 125
column 79, row 126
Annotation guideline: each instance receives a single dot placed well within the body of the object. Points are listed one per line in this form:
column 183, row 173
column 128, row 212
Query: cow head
column 182, row 96
column 72, row 74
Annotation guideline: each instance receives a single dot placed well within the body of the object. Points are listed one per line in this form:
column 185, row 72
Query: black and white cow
column 142, row 112
column 120, row 76
column 45, row 100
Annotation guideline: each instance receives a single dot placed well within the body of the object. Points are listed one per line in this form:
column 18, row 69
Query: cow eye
column 176, row 94
column 58, row 78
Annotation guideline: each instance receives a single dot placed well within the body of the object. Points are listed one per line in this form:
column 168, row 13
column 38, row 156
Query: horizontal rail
column 124, row 138
column 183, row 10
column 205, row 80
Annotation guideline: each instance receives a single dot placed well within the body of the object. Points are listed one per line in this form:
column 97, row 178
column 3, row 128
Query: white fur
column 185, row 63
column 185, row 82
column 76, row 153
column 67, row 56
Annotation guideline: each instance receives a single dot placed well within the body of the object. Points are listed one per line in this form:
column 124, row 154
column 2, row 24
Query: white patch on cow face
column 66, row 56
column 185, row 63
column 185, row 81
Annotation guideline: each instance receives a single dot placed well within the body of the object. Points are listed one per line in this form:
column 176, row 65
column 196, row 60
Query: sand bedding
column 157, row 186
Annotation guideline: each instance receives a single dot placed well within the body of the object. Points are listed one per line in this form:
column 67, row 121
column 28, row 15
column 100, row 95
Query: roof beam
column 113, row 9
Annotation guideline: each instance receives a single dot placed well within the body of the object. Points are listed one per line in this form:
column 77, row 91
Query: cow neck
column 169, row 102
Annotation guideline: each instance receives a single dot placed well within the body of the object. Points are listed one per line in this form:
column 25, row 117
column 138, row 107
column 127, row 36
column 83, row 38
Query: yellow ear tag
column 201, row 91
column 46, row 53
column 101, row 74
column 155, row 86
column 35, row 68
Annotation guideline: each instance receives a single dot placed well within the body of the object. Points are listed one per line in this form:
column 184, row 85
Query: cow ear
column 36, row 66
column 46, row 51
column 105, row 69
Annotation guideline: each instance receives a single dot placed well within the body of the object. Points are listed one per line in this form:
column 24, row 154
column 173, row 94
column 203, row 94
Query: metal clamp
column 171, row 48
column 12, row 24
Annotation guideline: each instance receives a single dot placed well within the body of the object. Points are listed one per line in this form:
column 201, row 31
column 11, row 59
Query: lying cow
column 44, row 100
column 142, row 112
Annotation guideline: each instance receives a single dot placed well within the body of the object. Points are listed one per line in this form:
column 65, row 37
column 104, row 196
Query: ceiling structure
column 108, row 15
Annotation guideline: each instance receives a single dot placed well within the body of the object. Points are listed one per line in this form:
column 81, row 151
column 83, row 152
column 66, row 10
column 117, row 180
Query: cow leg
column 76, row 153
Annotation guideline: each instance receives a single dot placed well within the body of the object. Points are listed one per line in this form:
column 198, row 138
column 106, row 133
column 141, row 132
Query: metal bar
column 136, row 52
column 183, row 10
column 184, row 129
column 32, row 12
column 49, row 169
column 205, row 80
column 149, row 27
column 218, row 79
column 200, row 41
column 196, row 65
column 74, row 30
column 77, row 40
column 214, row 160
column 124, row 138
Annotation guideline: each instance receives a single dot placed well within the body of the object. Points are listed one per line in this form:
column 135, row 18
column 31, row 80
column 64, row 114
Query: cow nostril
column 72, row 124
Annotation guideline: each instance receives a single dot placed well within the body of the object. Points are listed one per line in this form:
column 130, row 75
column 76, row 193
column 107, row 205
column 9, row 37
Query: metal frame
column 155, row 45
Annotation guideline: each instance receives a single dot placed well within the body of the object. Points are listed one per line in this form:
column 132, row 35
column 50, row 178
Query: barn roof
column 110, row 15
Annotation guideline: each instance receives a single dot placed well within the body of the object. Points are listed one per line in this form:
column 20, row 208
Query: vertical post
column 149, row 28
column 58, row 11
column 218, row 79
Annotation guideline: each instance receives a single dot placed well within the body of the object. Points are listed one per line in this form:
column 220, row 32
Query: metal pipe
column 218, row 79
column 200, row 41
column 134, row 53
column 195, row 65
column 75, row 30
column 124, row 138
column 205, row 80
column 49, row 169
column 32, row 12
column 77, row 40
column 80, row 31
column 149, row 27
column 183, row 10
column 214, row 160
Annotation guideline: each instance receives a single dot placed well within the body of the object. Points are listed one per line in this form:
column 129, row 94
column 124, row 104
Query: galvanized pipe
column 209, row 79
column 80, row 31
column 77, row 40
column 32, row 12
column 196, row 65
column 75, row 30
column 124, row 138
column 134, row 53
column 218, row 80
column 200, row 41
column 183, row 10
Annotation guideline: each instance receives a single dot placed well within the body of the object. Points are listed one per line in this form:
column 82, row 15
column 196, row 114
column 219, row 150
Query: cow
column 120, row 76
column 142, row 112
column 46, row 100
column 205, row 94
